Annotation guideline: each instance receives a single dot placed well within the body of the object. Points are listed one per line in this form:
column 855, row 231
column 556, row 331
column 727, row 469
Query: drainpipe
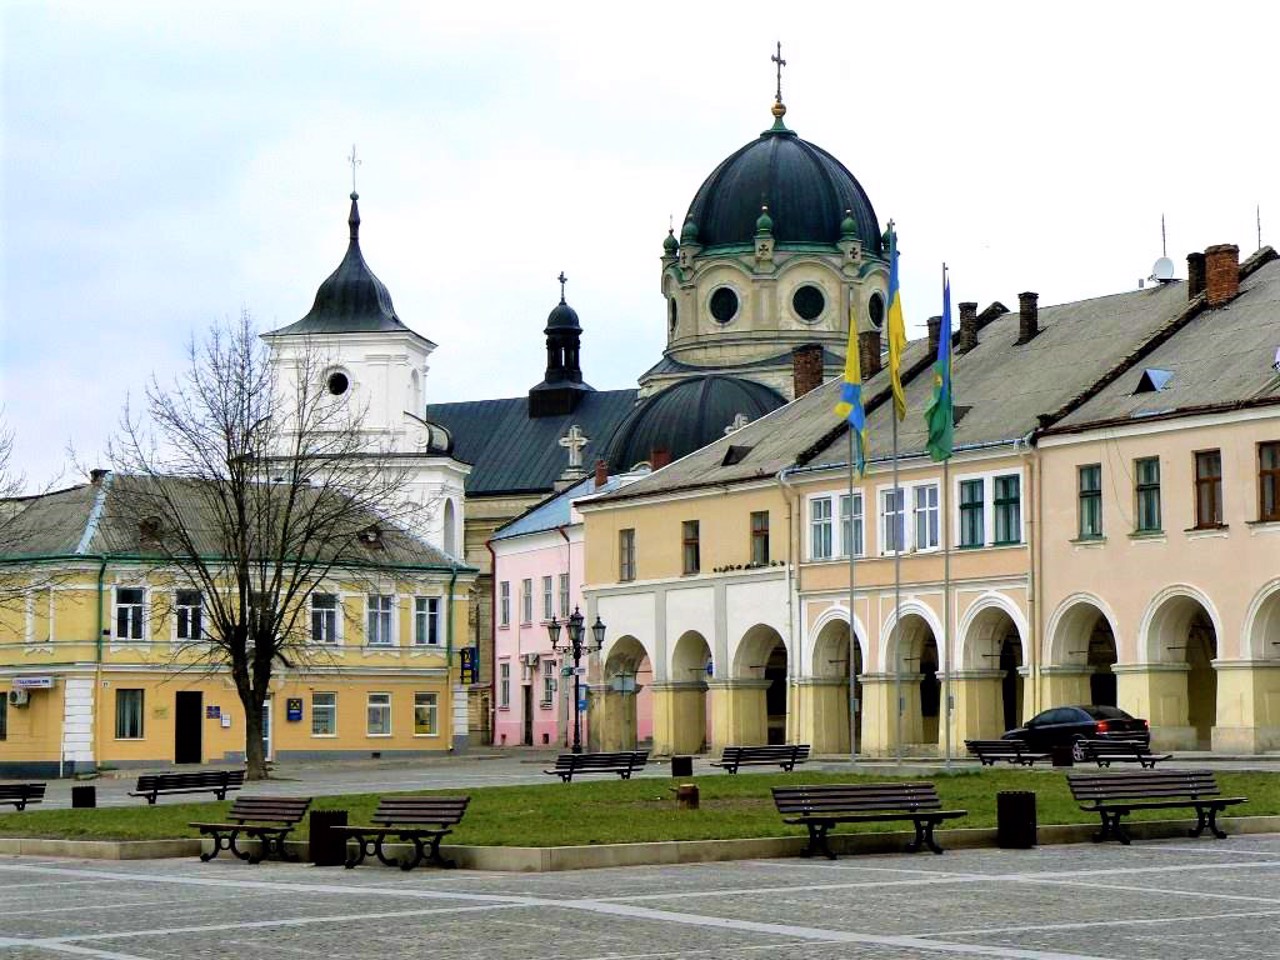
column 1035, row 555
column 97, row 671
column 448, row 643
column 793, row 658
column 493, row 635
column 566, row 698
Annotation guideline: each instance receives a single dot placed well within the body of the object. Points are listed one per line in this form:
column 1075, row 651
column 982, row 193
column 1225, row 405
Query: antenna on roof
column 1258, row 210
column 1164, row 247
column 1162, row 270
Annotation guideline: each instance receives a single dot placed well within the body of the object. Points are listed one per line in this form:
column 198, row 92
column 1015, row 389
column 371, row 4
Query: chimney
column 806, row 368
column 1221, row 273
column 935, row 332
column 602, row 473
column 1195, row 275
column 659, row 458
column 97, row 475
column 968, row 338
column 1028, row 316
column 869, row 353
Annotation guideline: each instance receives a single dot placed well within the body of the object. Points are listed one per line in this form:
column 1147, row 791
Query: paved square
column 1172, row 900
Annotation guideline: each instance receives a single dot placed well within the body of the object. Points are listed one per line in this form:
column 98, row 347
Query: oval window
column 724, row 305
column 875, row 309
column 808, row 302
column 338, row 383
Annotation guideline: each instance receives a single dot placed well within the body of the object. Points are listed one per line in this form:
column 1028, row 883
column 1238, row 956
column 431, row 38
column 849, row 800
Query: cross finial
column 777, row 58
column 740, row 421
column 355, row 162
column 563, row 280
column 574, row 441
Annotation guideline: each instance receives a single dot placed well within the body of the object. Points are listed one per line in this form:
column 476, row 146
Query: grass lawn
column 622, row 811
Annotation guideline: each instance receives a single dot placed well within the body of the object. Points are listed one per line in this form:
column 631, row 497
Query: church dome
column 686, row 417
column 563, row 316
column 808, row 192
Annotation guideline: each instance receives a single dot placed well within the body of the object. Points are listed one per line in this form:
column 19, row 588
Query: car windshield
column 1106, row 713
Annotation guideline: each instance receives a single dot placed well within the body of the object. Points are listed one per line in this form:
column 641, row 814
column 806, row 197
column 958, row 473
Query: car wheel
column 1077, row 750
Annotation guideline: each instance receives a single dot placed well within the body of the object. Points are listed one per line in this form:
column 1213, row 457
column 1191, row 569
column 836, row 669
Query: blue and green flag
column 938, row 415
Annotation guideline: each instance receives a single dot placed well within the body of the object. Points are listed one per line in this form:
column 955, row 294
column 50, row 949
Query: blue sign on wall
column 293, row 709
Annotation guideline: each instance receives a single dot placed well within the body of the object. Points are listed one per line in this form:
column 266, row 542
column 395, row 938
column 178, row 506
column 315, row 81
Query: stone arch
column 991, row 639
column 1261, row 639
column 691, row 667
column 1180, row 627
column 910, row 608
column 831, row 662
column 1082, row 647
column 1167, row 612
column 913, row 656
column 1074, row 616
column 762, row 655
column 450, row 537
column 627, row 718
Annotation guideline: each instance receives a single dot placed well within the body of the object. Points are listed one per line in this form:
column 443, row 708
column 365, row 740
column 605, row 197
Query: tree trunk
column 254, row 754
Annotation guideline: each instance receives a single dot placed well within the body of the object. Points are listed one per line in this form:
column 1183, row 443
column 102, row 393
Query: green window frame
column 1007, row 504
column 973, row 529
column 1146, row 491
column 1090, row 501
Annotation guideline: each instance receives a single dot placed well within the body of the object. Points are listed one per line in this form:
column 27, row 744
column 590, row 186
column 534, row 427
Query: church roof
column 352, row 299
column 806, row 189
column 557, row 510
column 511, row 452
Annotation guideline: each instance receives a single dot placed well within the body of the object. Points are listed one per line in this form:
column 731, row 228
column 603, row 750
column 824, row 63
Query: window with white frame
column 548, row 681
column 426, row 621
column 504, row 603
column 851, row 524
column 426, row 714
column 324, row 618
column 548, row 599
column 504, row 685
column 820, row 535
column 926, row 516
column 381, row 609
column 1007, row 507
column 189, row 609
column 378, row 723
column 324, row 714
column 564, row 594
column 526, row 601
column 973, row 524
column 130, row 603
column 893, row 520
column 129, row 713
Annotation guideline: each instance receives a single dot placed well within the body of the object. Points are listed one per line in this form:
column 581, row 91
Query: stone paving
column 1166, row 900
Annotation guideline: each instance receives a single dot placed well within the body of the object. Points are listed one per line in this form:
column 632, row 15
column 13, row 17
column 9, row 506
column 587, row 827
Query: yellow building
column 104, row 663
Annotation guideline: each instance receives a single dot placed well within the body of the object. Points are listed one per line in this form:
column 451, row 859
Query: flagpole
column 900, row 530
column 946, row 571
column 853, row 636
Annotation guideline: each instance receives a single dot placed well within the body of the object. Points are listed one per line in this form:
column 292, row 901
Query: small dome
column 689, row 232
column 764, row 222
column 848, row 227
column 671, row 244
column 806, row 188
column 687, row 416
column 562, row 317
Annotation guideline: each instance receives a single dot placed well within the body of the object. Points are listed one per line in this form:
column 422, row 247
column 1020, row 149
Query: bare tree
column 252, row 488
column 22, row 577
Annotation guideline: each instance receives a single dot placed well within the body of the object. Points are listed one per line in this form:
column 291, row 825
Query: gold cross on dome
column 777, row 58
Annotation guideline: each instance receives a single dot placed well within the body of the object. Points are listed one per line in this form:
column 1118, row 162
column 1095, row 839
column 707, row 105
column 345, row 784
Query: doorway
column 526, row 737
column 188, row 726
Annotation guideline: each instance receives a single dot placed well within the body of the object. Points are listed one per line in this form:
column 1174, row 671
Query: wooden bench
column 422, row 821
column 821, row 807
column 217, row 782
column 623, row 763
column 20, row 794
column 1107, row 752
column 1012, row 751
column 1114, row 795
column 266, row 819
column 784, row 755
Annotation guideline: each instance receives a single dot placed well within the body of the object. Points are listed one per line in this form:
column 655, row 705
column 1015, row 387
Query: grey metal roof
column 511, row 452
column 555, row 511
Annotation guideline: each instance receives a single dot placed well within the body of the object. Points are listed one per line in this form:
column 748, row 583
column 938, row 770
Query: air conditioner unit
column 18, row 698
column 529, row 659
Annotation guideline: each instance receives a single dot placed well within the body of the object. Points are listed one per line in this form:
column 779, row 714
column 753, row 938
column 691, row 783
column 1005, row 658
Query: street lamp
column 575, row 647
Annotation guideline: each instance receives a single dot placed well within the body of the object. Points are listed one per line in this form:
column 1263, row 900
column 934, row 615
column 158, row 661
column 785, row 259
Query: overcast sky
column 167, row 164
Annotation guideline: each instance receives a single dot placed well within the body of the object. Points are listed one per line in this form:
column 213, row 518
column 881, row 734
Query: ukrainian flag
column 850, row 406
column 897, row 329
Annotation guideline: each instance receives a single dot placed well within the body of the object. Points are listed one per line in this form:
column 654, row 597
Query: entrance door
column 188, row 724
column 266, row 729
column 528, row 716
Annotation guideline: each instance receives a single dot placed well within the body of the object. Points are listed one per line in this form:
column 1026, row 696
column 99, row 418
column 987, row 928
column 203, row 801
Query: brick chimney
column 659, row 458
column 602, row 473
column 968, row 338
column 1028, row 316
column 806, row 368
column 935, row 332
column 1195, row 275
column 869, row 353
column 1221, row 273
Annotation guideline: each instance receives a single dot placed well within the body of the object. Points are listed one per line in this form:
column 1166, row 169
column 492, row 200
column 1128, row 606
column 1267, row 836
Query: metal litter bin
column 682, row 766
column 84, row 797
column 1016, row 819
column 328, row 847
column 1063, row 756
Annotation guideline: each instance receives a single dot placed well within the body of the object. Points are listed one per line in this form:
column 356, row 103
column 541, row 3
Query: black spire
column 562, row 386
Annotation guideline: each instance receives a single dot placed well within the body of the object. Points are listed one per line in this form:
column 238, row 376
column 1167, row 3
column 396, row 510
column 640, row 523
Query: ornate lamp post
column 575, row 647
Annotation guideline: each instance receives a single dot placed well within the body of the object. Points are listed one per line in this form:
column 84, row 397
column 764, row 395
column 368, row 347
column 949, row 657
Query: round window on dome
column 875, row 310
column 808, row 302
column 338, row 383
column 724, row 305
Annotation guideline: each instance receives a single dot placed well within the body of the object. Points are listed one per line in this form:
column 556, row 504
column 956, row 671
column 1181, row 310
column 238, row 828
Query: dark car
column 1068, row 726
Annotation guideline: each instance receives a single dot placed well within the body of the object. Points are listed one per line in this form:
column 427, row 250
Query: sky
column 164, row 166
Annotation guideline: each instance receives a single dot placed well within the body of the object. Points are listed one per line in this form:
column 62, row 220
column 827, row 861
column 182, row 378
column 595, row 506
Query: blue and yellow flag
column 850, row 406
column 897, row 329
column 938, row 416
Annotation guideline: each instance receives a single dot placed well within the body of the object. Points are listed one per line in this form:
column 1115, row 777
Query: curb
column 556, row 859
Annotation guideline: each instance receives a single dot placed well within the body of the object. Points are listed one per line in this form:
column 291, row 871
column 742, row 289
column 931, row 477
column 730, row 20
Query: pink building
column 538, row 573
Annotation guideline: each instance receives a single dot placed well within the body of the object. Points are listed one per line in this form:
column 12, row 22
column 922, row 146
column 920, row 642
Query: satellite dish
column 1163, row 270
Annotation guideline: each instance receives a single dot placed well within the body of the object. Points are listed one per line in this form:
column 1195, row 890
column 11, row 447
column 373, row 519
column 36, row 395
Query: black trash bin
column 1016, row 819
column 84, row 797
column 1063, row 755
column 328, row 847
column 682, row 766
